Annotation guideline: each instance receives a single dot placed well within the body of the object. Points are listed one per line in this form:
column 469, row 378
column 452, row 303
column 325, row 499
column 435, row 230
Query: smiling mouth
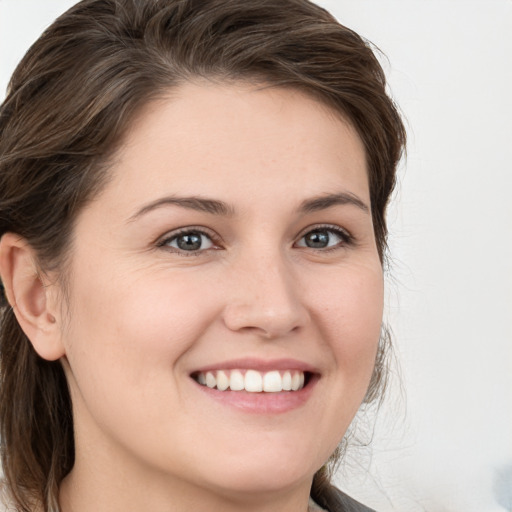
column 253, row 381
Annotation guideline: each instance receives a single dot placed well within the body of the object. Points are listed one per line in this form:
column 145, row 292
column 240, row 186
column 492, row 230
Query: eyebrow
column 326, row 201
column 200, row 204
column 216, row 207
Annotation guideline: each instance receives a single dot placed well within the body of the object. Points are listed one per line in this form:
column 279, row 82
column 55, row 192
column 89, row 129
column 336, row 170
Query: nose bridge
column 265, row 297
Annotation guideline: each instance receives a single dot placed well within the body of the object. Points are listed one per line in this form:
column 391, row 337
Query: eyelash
column 347, row 239
column 170, row 237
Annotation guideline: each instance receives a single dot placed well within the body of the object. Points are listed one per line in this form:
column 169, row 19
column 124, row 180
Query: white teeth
column 252, row 381
column 272, row 382
column 287, row 381
column 211, row 381
column 222, row 381
column 295, row 382
column 236, row 381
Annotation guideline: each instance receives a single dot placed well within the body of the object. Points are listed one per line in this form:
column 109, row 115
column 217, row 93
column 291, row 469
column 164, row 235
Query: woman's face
column 234, row 246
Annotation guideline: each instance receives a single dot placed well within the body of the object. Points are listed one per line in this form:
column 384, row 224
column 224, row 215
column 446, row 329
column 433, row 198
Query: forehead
column 240, row 138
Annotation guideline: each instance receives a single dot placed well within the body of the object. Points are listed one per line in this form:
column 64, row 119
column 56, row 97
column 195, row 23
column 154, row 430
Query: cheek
column 128, row 339
column 122, row 329
column 347, row 310
column 350, row 314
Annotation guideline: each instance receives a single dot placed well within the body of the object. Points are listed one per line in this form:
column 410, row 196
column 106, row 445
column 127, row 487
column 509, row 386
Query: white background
column 448, row 447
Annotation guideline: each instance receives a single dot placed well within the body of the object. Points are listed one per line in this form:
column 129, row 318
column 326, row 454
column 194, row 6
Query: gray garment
column 313, row 507
column 351, row 505
column 344, row 504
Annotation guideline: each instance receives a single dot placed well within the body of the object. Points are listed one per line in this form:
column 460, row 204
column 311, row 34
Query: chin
column 265, row 473
column 265, row 480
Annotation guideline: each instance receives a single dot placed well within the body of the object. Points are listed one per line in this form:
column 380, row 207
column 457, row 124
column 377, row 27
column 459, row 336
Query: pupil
column 317, row 239
column 189, row 242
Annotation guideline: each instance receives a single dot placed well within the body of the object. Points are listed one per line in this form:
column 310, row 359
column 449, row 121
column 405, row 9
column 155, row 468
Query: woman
column 192, row 213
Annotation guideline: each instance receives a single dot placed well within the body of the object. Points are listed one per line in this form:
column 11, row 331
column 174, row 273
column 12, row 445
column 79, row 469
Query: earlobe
column 32, row 298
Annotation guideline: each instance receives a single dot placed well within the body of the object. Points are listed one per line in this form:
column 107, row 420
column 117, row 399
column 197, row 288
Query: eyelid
column 161, row 242
column 170, row 235
column 344, row 234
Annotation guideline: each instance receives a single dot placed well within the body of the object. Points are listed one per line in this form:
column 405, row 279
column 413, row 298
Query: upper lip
column 261, row 365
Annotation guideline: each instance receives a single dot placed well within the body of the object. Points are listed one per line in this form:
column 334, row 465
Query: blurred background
column 442, row 442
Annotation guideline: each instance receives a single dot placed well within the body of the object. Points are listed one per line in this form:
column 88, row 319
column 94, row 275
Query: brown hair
column 68, row 104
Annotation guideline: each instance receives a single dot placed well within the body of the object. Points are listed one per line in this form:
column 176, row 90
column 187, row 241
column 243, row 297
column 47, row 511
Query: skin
column 140, row 316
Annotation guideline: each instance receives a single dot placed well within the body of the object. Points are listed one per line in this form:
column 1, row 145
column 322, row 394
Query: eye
column 191, row 241
column 324, row 238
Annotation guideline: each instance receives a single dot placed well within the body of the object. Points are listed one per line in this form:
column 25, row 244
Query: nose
column 264, row 298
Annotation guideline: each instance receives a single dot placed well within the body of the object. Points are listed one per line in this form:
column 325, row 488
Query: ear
column 32, row 296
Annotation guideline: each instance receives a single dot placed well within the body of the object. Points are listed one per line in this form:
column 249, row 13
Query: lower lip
column 262, row 403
